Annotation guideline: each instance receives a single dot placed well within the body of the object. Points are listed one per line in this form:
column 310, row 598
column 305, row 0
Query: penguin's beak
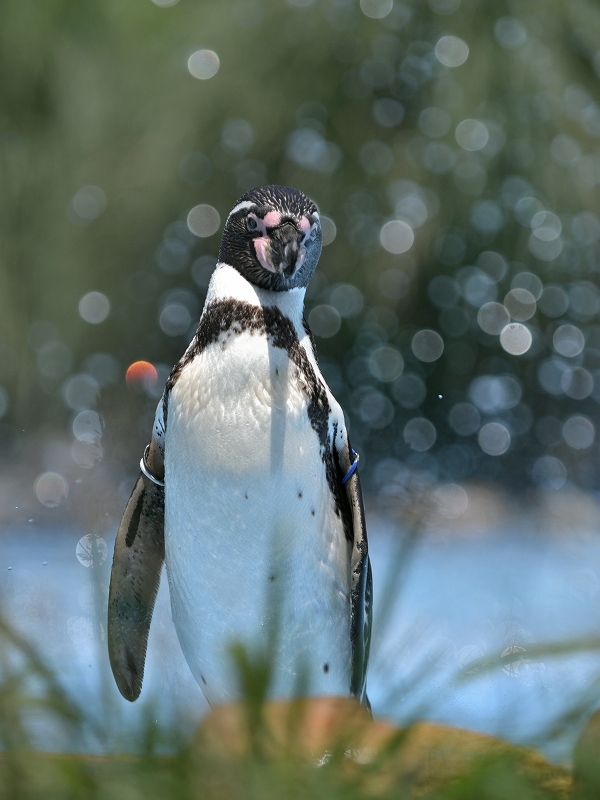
column 287, row 251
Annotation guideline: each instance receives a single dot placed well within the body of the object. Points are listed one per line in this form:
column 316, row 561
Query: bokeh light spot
column 387, row 112
column 328, row 230
column 86, row 454
column 309, row 149
column 553, row 301
column 80, row 392
column 464, row 418
column 103, row 367
column 420, row 434
column 396, row 236
column 386, row 364
column 549, row 473
column 577, row 383
column 516, row 338
column 544, row 249
column 510, row 33
column 472, row 135
column 237, row 136
column 94, row 307
column 87, row 426
column 494, row 439
column 568, row 340
column 579, row 432
column 493, row 264
column 140, row 374
column 54, row 359
column 175, row 319
column 529, row 281
column 376, row 409
column 427, row 345
column 492, row 318
column 203, row 64
column 451, row 51
column 520, row 304
column 91, row 550
column 203, row 220
column 87, row 205
column 451, row 499
column 409, row 390
column 51, row 489
column 347, row 300
column 546, row 226
column 324, row 321
column 376, row 9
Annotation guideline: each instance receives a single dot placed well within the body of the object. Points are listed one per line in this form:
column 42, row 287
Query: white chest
column 241, row 407
column 253, row 543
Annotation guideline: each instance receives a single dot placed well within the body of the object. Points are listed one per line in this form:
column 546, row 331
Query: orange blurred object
column 141, row 374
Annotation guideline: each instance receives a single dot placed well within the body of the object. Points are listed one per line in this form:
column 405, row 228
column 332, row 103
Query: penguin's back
column 256, row 549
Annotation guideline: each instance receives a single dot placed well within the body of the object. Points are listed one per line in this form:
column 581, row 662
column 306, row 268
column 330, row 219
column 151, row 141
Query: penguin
column 249, row 490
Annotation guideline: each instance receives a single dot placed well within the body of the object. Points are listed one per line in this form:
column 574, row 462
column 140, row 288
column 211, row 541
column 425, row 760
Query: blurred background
column 453, row 149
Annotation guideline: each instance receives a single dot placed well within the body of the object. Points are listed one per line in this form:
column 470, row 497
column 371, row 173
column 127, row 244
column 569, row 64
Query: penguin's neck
column 227, row 284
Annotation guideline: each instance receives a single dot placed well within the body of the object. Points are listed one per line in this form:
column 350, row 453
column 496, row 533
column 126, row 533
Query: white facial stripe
column 308, row 230
column 241, row 207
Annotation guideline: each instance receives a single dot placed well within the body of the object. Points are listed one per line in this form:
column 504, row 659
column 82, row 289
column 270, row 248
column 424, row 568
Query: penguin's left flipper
column 362, row 584
column 135, row 576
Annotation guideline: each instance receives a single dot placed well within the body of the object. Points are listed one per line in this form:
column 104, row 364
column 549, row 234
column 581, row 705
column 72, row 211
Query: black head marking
column 273, row 238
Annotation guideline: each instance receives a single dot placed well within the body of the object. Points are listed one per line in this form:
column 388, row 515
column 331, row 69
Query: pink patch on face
column 305, row 225
column 260, row 246
column 272, row 219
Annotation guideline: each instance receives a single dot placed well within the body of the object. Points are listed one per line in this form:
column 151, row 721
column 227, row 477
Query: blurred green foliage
column 483, row 143
column 425, row 762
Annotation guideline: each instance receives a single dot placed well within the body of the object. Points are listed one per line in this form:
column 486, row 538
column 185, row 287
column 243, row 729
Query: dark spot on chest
column 299, row 495
column 325, row 668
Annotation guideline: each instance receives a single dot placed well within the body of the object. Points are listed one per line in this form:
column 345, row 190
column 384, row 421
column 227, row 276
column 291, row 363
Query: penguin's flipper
column 135, row 575
column 362, row 586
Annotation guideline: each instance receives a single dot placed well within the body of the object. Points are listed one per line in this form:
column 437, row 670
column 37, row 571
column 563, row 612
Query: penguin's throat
column 228, row 284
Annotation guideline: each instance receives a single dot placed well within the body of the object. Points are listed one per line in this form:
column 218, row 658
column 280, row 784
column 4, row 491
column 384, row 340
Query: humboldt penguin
column 249, row 489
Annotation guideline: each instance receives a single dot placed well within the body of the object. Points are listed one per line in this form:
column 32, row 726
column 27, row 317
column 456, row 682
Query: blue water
column 454, row 600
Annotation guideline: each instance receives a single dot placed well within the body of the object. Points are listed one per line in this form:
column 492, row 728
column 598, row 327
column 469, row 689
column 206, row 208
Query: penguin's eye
column 251, row 224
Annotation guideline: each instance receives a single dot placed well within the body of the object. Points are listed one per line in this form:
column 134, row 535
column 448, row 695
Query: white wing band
column 146, row 470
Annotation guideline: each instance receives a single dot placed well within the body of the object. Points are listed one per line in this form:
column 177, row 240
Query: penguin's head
column 273, row 238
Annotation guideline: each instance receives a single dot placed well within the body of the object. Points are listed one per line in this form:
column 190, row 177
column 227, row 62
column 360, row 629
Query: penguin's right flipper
column 135, row 575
